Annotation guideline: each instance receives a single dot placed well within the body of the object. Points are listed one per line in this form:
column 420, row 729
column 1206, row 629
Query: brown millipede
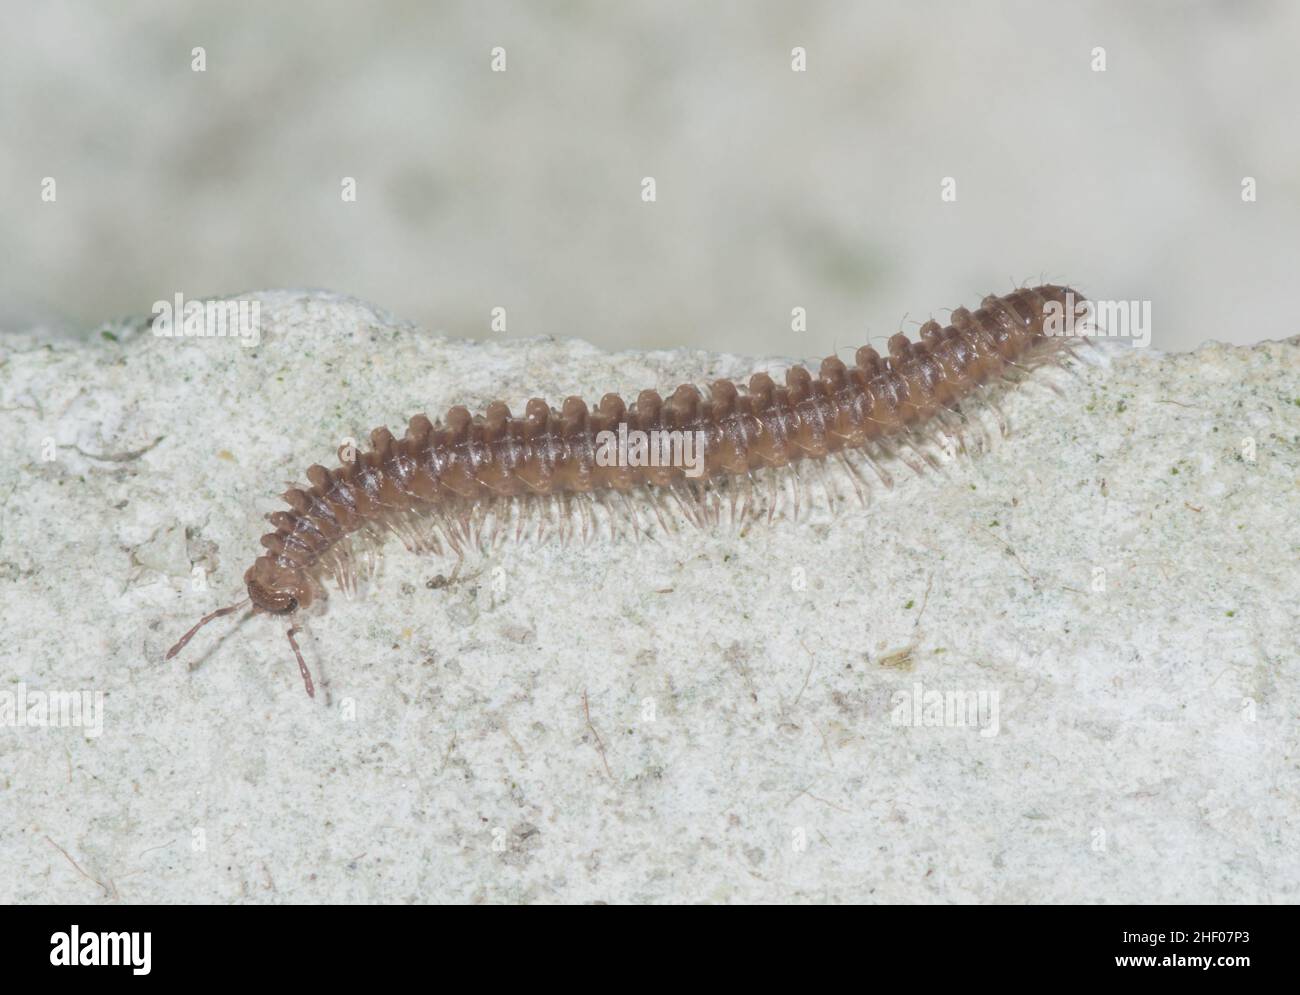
column 442, row 483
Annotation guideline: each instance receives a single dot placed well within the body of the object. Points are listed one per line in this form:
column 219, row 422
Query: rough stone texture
column 1119, row 572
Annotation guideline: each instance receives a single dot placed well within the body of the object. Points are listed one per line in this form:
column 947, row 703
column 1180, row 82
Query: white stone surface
column 1146, row 736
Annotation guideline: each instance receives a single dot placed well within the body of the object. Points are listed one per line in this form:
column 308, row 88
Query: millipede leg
column 859, row 485
column 302, row 664
column 885, row 476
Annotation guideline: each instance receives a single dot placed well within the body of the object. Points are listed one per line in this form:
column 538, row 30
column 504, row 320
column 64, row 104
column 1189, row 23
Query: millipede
column 468, row 481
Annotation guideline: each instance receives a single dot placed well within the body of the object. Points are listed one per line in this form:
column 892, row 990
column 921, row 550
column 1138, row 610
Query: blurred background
column 775, row 189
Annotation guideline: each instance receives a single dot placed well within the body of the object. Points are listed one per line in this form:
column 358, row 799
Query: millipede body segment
column 432, row 485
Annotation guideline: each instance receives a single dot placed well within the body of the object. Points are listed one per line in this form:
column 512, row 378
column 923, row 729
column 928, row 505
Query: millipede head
column 276, row 589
